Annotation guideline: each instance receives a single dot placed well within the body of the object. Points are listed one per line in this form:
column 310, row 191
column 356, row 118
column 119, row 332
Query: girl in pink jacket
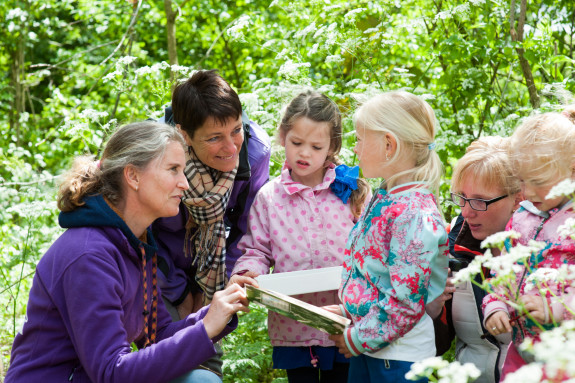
column 300, row 221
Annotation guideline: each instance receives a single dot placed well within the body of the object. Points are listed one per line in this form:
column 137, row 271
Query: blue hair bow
column 345, row 181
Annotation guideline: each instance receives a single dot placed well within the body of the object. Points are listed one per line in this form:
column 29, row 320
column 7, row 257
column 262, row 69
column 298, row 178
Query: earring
column 386, row 156
column 136, row 188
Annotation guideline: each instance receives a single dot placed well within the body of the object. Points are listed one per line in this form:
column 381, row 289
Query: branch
column 128, row 31
column 517, row 36
column 47, row 179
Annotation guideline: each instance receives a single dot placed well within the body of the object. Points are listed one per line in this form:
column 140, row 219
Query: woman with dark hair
column 95, row 291
column 227, row 162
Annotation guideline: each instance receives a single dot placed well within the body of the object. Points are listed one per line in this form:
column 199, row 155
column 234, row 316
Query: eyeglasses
column 475, row 203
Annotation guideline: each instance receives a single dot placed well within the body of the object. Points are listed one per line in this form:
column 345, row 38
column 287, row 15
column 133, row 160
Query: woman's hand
column 498, row 323
column 246, row 278
column 224, row 305
column 434, row 308
column 340, row 344
column 535, row 306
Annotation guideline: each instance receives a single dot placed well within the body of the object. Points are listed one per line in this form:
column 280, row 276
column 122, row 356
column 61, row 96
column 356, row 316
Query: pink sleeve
column 255, row 245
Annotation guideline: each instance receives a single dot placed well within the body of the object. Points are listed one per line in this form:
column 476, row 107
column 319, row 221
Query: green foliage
column 74, row 71
column 247, row 351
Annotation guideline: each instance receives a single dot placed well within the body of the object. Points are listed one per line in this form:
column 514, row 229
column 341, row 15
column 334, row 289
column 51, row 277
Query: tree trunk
column 171, row 34
column 517, row 36
column 17, row 77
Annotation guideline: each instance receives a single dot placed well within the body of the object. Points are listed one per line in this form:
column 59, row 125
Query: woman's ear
column 132, row 177
column 187, row 138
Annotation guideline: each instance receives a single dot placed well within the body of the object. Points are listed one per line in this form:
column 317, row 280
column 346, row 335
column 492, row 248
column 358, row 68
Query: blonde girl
column 395, row 258
column 301, row 221
column 542, row 150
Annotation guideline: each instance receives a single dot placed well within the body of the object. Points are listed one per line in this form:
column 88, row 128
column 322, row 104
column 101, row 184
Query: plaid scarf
column 206, row 201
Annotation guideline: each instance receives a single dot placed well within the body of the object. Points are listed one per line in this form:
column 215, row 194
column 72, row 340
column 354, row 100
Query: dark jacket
column 462, row 317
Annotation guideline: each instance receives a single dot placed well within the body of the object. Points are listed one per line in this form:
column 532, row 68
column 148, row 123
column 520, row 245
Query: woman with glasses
column 487, row 193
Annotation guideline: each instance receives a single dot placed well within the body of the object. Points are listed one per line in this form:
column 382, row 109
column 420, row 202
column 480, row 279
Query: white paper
column 302, row 282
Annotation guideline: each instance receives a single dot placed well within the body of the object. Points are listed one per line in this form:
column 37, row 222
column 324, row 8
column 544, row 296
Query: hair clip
column 431, row 146
column 98, row 164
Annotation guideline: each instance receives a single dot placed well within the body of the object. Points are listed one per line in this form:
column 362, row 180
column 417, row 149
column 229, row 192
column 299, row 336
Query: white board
column 302, row 282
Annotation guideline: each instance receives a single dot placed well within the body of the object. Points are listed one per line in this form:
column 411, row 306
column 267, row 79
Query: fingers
column 332, row 309
column 243, row 280
column 535, row 306
column 498, row 323
column 341, row 345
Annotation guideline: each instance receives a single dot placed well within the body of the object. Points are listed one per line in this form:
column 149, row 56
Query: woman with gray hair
column 95, row 292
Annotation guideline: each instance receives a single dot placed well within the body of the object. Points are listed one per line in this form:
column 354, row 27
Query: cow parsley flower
column 453, row 372
column 334, row 59
column 497, row 240
column 291, row 69
column 530, row 373
column 236, row 31
column 563, row 188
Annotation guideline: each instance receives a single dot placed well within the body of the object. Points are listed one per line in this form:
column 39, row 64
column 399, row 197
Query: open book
column 299, row 310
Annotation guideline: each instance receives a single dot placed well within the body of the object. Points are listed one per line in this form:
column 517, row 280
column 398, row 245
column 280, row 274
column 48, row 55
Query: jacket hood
column 97, row 213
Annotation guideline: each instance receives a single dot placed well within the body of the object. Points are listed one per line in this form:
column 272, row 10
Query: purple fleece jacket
column 174, row 272
column 86, row 308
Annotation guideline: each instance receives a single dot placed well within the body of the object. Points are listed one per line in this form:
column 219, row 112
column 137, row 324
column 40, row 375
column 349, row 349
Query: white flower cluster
column 92, row 115
column 334, row 59
column 250, row 101
column 17, row 14
column 352, row 15
column 467, row 274
column 447, row 372
column 468, row 84
column 530, row 373
column 307, row 30
column 563, row 188
column 506, row 265
column 567, row 230
column 554, row 355
column 541, row 276
column 237, row 30
column 497, row 240
column 291, row 69
column 460, row 10
column 124, row 62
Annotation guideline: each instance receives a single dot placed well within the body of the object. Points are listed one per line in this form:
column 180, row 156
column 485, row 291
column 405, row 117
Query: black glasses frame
column 471, row 201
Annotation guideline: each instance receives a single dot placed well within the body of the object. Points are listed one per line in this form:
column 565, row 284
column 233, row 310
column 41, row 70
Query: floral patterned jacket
column 543, row 227
column 395, row 262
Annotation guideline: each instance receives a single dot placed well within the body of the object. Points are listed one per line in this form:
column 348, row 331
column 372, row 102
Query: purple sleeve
column 101, row 341
column 259, row 151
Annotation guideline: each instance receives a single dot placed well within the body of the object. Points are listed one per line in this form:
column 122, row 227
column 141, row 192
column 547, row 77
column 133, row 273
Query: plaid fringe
column 206, row 201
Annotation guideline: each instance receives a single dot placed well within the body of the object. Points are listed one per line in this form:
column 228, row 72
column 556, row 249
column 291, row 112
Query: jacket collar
column 97, row 213
column 292, row 187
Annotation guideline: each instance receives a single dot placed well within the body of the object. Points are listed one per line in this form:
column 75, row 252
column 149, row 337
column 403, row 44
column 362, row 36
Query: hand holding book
column 323, row 320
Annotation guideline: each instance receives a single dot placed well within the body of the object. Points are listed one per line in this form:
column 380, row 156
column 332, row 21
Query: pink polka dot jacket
column 395, row 262
column 295, row 227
